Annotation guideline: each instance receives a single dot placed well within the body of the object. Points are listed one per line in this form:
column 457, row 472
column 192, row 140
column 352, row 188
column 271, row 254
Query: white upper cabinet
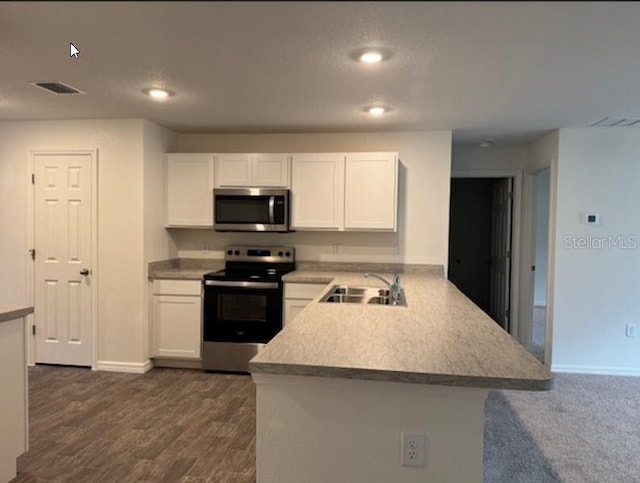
column 329, row 191
column 317, row 191
column 233, row 170
column 271, row 170
column 263, row 170
column 189, row 190
column 371, row 191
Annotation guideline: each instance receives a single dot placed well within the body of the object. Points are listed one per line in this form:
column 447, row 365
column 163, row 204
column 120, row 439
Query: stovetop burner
column 243, row 263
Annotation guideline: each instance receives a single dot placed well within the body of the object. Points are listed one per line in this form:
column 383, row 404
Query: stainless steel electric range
column 242, row 305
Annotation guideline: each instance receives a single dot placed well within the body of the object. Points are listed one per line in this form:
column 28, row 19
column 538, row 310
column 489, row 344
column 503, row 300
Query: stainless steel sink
column 379, row 300
column 343, row 294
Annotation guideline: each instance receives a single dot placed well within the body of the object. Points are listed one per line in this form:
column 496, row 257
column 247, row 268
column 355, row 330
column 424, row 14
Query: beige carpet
column 587, row 429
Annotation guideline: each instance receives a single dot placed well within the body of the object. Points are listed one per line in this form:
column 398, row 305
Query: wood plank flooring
column 168, row 425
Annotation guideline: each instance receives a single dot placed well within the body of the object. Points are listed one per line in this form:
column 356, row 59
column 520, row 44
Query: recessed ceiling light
column 371, row 57
column 377, row 110
column 157, row 93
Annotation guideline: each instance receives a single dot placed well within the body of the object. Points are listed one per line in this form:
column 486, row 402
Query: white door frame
column 515, row 326
column 30, row 275
column 528, row 246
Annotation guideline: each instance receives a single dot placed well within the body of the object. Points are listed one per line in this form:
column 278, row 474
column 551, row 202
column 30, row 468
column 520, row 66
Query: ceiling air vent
column 617, row 122
column 57, row 88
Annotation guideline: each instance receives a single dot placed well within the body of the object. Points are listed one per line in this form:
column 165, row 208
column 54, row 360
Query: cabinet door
column 317, row 191
column 176, row 326
column 189, row 190
column 371, row 183
column 271, row 170
column 292, row 308
column 233, row 170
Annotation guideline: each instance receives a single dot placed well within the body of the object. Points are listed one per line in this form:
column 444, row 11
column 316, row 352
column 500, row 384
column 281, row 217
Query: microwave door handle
column 272, row 202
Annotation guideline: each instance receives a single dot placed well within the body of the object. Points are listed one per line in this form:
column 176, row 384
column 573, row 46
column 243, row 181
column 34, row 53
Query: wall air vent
column 57, row 88
column 617, row 122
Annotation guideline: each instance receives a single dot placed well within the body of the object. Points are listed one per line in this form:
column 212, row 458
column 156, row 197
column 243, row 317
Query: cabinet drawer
column 177, row 287
column 303, row 290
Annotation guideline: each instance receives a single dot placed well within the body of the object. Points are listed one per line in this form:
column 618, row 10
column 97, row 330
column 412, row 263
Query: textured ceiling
column 510, row 71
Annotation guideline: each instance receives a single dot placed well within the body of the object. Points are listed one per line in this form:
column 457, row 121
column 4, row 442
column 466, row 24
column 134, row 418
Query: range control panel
column 259, row 254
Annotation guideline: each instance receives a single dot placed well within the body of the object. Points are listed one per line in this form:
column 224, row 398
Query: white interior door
column 63, row 258
column 500, row 276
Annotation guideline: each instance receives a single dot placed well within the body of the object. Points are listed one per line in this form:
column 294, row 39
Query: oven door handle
column 220, row 283
column 272, row 216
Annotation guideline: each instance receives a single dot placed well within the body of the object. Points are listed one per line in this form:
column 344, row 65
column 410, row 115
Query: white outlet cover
column 412, row 448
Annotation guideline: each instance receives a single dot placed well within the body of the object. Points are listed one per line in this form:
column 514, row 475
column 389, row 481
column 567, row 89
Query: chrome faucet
column 396, row 289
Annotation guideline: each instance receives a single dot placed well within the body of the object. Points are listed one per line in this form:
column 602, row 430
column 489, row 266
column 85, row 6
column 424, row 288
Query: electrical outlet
column 205, row 247
column 631, row 330
column 396, row 249
column 336, row 249
column 412, row 449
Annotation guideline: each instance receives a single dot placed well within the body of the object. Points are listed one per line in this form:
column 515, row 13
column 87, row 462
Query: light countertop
column 11, row 312
column 184, row 268
column 440, row 338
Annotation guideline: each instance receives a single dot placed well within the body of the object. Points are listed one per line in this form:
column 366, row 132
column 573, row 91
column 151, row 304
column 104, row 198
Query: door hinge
column 510, row 195
column 507, row 313
column 508, row 253
column 32, row 252
column 33, row 329
column 533, row 268
column 33, row 178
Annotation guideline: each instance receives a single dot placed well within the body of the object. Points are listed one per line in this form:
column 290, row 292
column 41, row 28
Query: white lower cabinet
column 176, row 319
column 297, row 296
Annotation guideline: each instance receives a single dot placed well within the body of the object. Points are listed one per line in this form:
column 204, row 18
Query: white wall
column 157, row 141
column 465, row 158
column 158, row 244
column 596, row 290
column 119, row 270
column 542, row 180
column 322, row 429
column 423, row 205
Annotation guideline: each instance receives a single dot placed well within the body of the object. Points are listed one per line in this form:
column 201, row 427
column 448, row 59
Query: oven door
column 236, row 311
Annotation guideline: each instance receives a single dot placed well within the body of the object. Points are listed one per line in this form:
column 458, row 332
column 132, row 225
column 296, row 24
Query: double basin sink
column 343, row 294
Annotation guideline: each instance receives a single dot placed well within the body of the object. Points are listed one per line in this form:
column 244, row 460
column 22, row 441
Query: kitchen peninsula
column 13, row 380
column 338, row 386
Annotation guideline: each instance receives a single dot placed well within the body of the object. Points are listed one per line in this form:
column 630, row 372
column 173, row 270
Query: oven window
column 247, row 210
column 242, row 308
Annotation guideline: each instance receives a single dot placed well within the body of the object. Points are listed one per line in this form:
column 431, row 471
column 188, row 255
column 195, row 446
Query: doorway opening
column 540, row 259
column 480, row 243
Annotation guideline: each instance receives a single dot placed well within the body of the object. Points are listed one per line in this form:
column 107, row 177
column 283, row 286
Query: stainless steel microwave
column 251, row 209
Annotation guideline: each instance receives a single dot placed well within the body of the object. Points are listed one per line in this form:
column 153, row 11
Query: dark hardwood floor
column 169, row 425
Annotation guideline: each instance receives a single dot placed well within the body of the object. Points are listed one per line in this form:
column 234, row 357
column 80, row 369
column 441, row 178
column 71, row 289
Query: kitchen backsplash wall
column 310, row 246
column 423, row 202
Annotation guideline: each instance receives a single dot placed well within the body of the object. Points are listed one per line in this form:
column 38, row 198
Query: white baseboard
column 129, row 367
column 178, row 363
column 599, row 370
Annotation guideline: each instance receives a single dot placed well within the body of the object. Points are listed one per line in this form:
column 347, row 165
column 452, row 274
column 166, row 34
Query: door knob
column 84, row 272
